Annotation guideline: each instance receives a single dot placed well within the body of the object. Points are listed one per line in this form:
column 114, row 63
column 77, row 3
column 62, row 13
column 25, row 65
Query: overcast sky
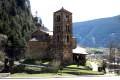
column 82, row 10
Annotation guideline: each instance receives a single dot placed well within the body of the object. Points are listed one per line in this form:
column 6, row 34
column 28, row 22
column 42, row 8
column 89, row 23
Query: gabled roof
column 63, row 10
column 39, row 36
column 48, row 32
column 39, row 32
column 34, row 39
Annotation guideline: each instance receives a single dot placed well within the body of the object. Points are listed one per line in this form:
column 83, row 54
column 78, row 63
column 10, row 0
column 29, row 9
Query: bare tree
column 114, row 55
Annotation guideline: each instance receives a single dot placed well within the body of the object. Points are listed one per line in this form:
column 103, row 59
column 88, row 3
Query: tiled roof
column 38, row 32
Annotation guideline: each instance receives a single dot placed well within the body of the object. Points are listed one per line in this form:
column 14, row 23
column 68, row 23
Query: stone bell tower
column 62, row 36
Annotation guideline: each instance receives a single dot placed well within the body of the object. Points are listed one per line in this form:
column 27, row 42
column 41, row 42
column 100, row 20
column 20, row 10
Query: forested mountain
column 97, row 33
column 16, row 21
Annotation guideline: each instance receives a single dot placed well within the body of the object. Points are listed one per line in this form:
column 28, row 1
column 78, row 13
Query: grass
column 79, row 67
column 19, row 75
column 32, row 68
column 71, row 70
column 81, row 70
column 72, row 66
column 22, row 75
column 96, row 49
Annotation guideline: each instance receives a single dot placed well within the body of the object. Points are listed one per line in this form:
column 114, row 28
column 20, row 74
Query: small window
column 58, row 38
column 67, row 28
column 64, row 29
column 58, row 28
column 67, row 38
column 66, row 17
column 58, row 18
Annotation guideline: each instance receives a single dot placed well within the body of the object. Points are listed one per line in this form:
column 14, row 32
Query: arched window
column 67, row 28
column 58, row 18
column 58, row 38
column 67, row 38
column 58, row 28
column 66, row 17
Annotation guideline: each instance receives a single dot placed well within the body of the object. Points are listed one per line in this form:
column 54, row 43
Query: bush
column 29, row 61
column 2, row 57
column 19, row 68
column 55, row 66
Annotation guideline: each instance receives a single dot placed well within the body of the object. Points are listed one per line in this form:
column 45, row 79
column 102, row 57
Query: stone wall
column 37, row 50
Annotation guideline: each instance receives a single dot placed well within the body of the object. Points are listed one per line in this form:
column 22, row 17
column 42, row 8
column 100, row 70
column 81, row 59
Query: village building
column 79, row 55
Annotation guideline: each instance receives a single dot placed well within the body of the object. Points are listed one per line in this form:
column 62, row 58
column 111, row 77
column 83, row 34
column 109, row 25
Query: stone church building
column 59, row 45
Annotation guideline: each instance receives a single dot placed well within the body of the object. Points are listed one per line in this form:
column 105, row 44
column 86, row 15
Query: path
column 85, row 77
column 94, row 66
column 37, row 66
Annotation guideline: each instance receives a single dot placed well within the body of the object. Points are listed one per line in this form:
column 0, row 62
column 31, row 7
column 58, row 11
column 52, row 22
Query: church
column 58, row 44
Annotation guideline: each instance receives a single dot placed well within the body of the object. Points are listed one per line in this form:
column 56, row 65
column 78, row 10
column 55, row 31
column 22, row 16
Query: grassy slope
column 72, row 70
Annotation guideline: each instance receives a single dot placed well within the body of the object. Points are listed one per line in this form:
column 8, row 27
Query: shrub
column 55, row 66
column 2, row 57
column 18, row 69
column 29, row 61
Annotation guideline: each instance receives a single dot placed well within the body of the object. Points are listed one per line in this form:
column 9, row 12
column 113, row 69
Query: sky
column 83, row 10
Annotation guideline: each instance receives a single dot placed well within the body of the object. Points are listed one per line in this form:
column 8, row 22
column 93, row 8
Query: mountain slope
column 97, row 33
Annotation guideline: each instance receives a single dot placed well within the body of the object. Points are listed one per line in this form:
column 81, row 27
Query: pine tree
column 16, row 22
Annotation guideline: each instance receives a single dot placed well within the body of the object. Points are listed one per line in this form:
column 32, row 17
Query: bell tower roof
column 63, row 10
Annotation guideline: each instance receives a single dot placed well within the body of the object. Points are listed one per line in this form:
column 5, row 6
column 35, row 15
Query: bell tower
column 62, row 36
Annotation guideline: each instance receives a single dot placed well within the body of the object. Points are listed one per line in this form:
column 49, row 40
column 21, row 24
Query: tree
column 16, row 21
column 3, row 39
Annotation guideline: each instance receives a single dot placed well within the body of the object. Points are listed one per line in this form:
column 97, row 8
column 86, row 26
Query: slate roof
column 63, row 10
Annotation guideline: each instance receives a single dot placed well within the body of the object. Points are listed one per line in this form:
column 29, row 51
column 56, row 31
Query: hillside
column 97, row 33
column 16, row 21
